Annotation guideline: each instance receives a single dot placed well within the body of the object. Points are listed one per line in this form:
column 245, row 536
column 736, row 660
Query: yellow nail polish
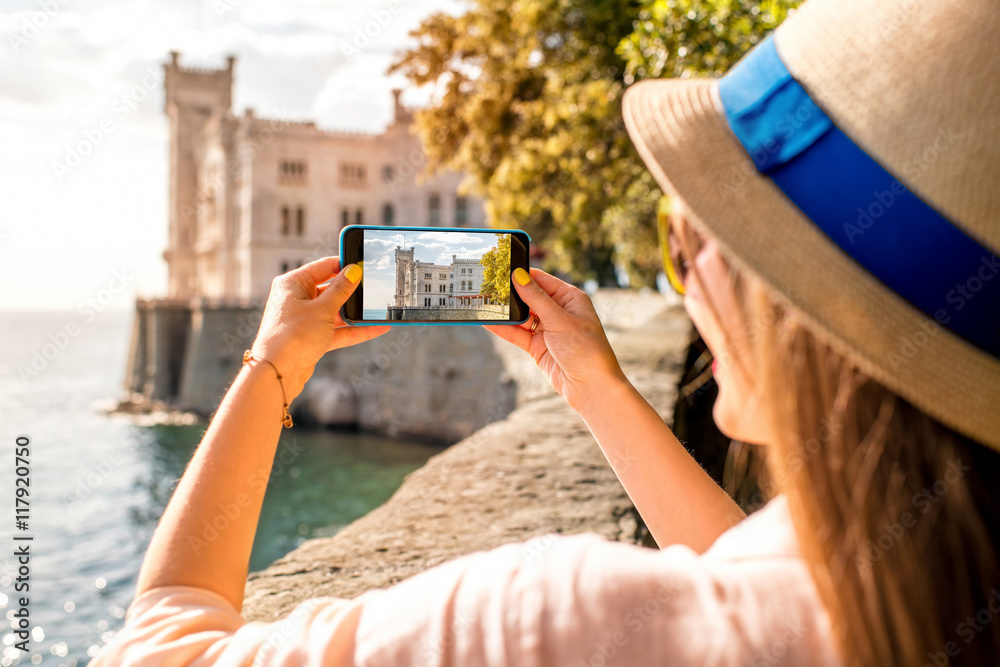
column 521, row 276
column 353, row 273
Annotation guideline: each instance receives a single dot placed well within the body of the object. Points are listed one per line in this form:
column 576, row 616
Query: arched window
column 451, row 287
column 461, row 211
column 286, row 220
column 434, row 210
column 388, row 213
column 463, row 285
column 300, row 221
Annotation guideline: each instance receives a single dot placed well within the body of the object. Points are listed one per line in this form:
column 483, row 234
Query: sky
column 436, row 247
column 83, row 134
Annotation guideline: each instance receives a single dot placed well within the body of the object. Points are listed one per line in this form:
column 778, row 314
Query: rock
column 328, row 401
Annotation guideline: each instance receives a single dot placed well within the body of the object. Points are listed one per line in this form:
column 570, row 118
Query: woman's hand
column 302, row 322
column 569, row 344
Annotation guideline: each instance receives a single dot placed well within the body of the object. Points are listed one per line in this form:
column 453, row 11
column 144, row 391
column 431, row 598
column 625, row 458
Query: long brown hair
column 898, row 516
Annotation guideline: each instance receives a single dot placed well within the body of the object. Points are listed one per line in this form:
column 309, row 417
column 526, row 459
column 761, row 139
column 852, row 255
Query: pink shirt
column 579, row 601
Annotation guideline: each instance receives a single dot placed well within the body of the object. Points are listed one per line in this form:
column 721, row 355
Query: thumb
column 341, row 286
column 537, row 298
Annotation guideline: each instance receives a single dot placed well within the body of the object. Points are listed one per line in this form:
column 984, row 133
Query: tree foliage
column 496, row 271
column 528, row 103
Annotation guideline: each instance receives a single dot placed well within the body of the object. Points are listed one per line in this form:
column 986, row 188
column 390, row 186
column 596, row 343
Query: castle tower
column 400, row 114
column 404, row 266
column 195, row 99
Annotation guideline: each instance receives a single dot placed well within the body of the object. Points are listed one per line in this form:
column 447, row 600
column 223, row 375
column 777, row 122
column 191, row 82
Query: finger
column 562, row 292
column 341, row 287
column 512, row 333
column 351, row 335
column 338, row 321
column 547, row 281
column 536, row 297
column 320, row 270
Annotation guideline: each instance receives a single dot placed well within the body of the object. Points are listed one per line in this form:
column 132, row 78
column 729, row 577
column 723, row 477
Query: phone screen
column 422, row 275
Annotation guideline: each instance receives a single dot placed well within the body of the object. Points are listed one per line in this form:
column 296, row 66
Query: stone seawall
column 440, row 313
column 439, row 383
column 535, row 472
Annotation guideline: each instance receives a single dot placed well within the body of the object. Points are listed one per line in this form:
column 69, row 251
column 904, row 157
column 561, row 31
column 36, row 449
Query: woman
column 860, row 342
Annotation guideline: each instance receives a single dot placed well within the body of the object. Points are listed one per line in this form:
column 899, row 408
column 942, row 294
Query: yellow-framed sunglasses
column 674, row 262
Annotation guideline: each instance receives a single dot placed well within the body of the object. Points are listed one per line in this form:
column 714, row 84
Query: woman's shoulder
column 766, row 534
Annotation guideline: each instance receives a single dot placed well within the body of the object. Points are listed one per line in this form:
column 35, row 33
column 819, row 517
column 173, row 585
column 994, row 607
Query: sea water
column 99, row 483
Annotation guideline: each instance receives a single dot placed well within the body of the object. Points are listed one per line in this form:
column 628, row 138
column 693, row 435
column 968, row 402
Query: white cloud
column 58, row 239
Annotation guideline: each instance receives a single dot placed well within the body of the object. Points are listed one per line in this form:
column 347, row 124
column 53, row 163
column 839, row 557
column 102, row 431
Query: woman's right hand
column 569, row 344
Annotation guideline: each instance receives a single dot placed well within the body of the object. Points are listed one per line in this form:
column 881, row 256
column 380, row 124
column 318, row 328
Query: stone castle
column 428, row 284
column 428, row 291
column 252, row 197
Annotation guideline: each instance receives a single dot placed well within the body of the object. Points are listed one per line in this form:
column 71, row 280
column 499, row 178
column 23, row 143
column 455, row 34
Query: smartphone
column 434, row 275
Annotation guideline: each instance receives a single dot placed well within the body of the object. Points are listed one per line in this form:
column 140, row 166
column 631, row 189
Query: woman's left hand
column 302, row 322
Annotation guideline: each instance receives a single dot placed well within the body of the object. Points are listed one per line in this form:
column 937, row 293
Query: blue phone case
column 427, row 229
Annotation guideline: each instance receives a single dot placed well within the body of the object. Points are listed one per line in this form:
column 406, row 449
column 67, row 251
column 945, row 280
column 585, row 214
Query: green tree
column 496, row 271
column 688, row 38
column 527, row 101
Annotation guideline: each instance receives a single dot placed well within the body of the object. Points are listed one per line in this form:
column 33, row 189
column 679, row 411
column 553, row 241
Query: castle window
column 285, row 220
column 451, row 287
column 427, row 275
column 387, row 215
column 442, row 276
column 463, row 284
column 300, row 221
column 440, row 302
column 292, row 171
column 427, row 288
column 358, row 217
column 387, row 173
column 440, row 288
column 434, row 210
column 352, row 175
column 461, row 211
column 427, row 301
column 345, row 217
column 284, row 267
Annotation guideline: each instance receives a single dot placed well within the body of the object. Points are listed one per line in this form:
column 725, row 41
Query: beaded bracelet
column 247, row 358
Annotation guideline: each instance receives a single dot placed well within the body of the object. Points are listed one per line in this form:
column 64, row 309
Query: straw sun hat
column 852, row 161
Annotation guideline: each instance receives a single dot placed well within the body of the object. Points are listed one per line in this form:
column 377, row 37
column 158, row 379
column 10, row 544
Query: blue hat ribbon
column 893, row 234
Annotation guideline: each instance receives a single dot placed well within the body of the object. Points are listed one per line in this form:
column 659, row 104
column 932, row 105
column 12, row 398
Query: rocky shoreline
column 535, row 472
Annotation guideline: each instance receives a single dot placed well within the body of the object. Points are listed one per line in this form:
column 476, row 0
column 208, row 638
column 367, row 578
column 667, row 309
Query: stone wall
column 449, row 314
column 440, row 383
column 536, row 472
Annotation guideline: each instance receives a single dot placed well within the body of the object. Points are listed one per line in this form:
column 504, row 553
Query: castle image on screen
column 434, row 276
